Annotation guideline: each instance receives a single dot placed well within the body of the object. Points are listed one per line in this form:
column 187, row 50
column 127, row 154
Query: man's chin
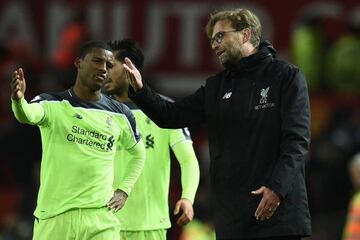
column 108, row 91
column 107, row 87
column 223, row 59
column 224, row 62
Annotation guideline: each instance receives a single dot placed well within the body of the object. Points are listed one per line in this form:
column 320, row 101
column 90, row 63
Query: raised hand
column 187, row 211
column 18, row 84
column 133, row 75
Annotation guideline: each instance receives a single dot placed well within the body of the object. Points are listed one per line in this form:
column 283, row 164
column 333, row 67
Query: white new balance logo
column 227, row 95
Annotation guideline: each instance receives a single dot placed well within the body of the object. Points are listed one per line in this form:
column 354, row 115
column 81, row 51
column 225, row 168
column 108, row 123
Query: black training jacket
column 258, row 121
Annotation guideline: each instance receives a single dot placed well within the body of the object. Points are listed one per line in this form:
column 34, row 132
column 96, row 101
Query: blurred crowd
column 331, row 63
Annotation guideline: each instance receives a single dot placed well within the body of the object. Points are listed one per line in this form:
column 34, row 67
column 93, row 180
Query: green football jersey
column 147, row 206
column 79, row 141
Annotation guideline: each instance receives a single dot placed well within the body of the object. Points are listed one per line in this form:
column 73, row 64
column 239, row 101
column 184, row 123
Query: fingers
column 21, row 74
column 116, row 204
column 17, row 84
column 14, row 84
column 265, row 212
column 269, row 211
column 117, row 201
column 187, row 211
column 129, row 76
column 111, row 203
column 268, row 204
column 129, row 63
column 133, row 75
column 15, row 78
column 128, row 69
column 129, row 66
column 260, row 209
column 184, row 219
column 272, row 206
column 259, row 191
column 177, row 208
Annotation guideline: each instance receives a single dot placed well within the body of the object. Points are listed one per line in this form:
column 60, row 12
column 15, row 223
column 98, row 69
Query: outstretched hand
column 187, row 211
column 18, row 84
column 133, row 75
column 268, row 204
column 117, row 201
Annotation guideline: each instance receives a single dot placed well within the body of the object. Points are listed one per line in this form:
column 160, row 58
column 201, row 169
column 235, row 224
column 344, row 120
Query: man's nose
column 103, row 67
column 215, row 45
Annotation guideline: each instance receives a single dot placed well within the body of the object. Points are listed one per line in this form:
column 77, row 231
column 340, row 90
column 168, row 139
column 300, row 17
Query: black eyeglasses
column 219, row 36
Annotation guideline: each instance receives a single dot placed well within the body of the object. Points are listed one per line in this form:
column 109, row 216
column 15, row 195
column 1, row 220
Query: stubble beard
column 231, row 59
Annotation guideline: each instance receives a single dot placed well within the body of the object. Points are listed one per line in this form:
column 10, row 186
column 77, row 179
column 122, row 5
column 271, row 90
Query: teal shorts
column 159, row 234
column 79, row 224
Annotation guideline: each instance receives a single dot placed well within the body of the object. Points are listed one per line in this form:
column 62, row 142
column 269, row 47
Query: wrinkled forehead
column 222, row 25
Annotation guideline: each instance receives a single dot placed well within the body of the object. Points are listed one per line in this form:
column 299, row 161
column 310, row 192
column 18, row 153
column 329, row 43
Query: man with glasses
column 258, row 118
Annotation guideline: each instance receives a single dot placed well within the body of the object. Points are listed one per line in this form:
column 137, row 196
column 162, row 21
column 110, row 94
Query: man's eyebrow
column 98, row 58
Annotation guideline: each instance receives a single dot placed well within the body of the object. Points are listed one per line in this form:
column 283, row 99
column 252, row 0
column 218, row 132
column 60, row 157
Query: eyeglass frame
column 219, row 36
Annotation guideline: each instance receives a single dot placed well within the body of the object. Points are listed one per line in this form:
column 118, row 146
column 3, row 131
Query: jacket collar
column 266, row 52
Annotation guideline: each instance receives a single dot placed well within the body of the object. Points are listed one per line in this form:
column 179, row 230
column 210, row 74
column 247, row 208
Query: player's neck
column 121, row 97
column 86, row 93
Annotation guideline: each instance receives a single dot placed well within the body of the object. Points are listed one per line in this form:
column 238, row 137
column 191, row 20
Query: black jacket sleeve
column 295, row 133
column 188, row 111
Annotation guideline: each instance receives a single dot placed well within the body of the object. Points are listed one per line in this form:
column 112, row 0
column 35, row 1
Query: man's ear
column 77, row 62
column 246, row 34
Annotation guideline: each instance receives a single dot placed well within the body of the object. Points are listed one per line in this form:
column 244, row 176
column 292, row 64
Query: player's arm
column 23, row 111
column 166, row 114
column 134, row 167
column 133, row 171
column 190, row 175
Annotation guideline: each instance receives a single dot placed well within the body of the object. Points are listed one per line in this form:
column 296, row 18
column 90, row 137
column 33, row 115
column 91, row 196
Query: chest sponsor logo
column 263, row 102
column 91, row 139
column 227, row 95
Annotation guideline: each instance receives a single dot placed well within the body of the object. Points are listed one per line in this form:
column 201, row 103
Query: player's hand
column 18, row 84
column 117, row 201
column 268, row 204
column 133, row 75
column 187, row 210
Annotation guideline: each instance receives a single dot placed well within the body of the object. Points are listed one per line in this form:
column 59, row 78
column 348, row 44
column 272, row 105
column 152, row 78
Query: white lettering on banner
column 155, row 36
column 57, row 15
column 190, row 15
column 119, row 20
column 96, row 15
column 112, row 19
